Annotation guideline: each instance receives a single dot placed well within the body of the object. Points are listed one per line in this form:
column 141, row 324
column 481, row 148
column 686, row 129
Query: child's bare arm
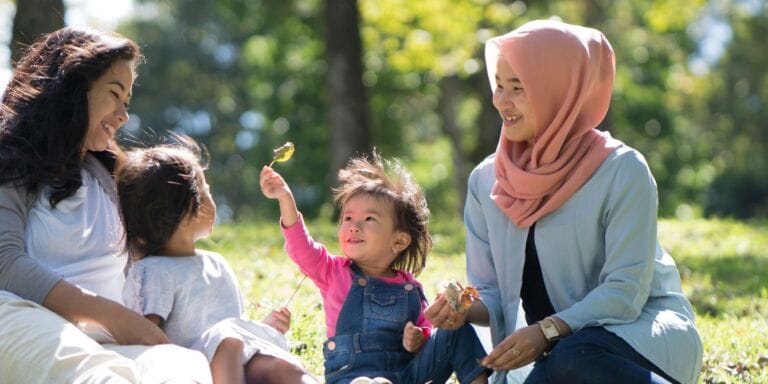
column 273, row 186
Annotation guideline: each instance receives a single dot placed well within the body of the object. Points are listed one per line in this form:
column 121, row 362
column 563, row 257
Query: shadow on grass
column 735, row 285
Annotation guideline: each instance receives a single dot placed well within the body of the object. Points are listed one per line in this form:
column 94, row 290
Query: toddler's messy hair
column 389, row 180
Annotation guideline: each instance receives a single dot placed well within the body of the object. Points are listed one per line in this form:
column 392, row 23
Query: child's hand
column 279, row 319
column 273, row 186
column 413, row 338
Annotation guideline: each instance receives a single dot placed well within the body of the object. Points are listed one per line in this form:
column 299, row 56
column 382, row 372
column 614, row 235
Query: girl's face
column 202, row 223
column 108, row 100
column 513, row 104
column 367, row 233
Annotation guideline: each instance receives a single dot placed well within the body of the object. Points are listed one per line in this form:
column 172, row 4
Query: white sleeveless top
column 81, row 238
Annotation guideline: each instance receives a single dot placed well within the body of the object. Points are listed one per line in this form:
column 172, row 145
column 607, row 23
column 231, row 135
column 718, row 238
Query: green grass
column 724, row 266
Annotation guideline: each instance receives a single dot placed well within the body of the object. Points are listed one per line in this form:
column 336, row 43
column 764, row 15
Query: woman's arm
column 126, row 326
column 155, row 319
column 481, row 270
column 32, row 281
column 630, row 243
column 20, row 273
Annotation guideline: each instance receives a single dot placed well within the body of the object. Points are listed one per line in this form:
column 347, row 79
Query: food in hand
column 460, row 298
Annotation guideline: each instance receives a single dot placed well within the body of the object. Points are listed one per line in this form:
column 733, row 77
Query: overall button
column 409, row 287
column 362, row 281
column 331, row 345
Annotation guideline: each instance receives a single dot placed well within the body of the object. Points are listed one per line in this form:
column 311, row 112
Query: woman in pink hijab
column 562, row 219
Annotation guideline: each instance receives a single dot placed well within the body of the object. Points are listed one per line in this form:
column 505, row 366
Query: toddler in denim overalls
column 374, row 306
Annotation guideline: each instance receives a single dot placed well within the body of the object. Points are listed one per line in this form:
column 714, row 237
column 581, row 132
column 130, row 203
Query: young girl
column 374, row 307
column 192, row 294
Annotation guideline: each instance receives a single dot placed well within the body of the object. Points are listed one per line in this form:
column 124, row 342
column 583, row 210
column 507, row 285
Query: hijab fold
column 567, row 72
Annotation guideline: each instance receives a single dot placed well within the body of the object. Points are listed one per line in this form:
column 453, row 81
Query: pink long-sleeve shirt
column 333, row 275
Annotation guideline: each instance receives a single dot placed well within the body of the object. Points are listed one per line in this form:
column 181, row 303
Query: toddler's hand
column 273, row 186
column 279, row 319
column 413, row 338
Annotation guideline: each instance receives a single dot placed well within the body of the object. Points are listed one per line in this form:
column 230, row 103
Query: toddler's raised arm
column 273, row 186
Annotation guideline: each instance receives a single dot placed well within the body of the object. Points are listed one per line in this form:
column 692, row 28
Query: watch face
column 549, row 330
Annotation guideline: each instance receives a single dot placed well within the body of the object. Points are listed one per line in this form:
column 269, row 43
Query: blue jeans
column 369, row 338
column 459, row 351
column 594, row 355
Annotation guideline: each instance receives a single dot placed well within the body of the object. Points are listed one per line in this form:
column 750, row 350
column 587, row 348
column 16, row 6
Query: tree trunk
column 488, row 121
column 34, row 18
column 350, row 131
column 449, row 92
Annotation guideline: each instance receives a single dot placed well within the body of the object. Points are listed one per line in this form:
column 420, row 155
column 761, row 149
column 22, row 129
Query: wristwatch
column 549, row 329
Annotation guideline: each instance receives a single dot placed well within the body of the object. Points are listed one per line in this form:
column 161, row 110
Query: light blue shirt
column 600, row 259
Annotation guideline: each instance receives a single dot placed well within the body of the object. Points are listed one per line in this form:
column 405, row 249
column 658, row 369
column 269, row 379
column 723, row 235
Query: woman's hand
column 279, row 319
column 413, row 337
column 518, row 349
column 441, row 315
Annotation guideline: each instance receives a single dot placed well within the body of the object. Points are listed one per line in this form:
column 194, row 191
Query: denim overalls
column 369, row 338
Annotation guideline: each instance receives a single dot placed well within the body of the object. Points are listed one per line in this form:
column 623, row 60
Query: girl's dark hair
column 44, row 112
column 158, row 187
column 389, row 180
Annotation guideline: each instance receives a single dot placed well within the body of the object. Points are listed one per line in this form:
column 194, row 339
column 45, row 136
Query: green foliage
column 723, row 264
column 428, row 36
column 733, row 120
column 414, row 45
column 244, row 76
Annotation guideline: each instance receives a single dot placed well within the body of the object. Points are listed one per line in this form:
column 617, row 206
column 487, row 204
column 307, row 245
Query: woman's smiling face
column 513, row 104
column 108, row 100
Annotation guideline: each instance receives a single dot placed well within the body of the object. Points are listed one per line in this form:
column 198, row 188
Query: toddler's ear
column 402, row 241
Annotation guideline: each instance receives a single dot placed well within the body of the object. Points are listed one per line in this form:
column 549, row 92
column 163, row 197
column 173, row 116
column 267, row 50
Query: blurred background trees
column 338, row 77
column 33, row 18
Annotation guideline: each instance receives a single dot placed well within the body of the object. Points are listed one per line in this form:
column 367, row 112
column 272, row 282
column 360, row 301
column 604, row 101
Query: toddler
column 192, row 294
column 374, row 307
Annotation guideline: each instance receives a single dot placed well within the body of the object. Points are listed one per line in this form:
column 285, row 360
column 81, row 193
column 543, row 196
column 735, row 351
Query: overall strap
column 351, row 306
column 421, row 293
column 356, row 271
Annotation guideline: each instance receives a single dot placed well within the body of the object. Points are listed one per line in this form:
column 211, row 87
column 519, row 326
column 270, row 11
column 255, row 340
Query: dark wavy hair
column 389, row 180
column 44, row 112
column 159, row 187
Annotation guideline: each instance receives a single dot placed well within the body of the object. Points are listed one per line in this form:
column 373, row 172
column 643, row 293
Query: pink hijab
column 567, row 72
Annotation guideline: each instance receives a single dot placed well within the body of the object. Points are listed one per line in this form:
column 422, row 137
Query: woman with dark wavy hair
column 61, row 259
